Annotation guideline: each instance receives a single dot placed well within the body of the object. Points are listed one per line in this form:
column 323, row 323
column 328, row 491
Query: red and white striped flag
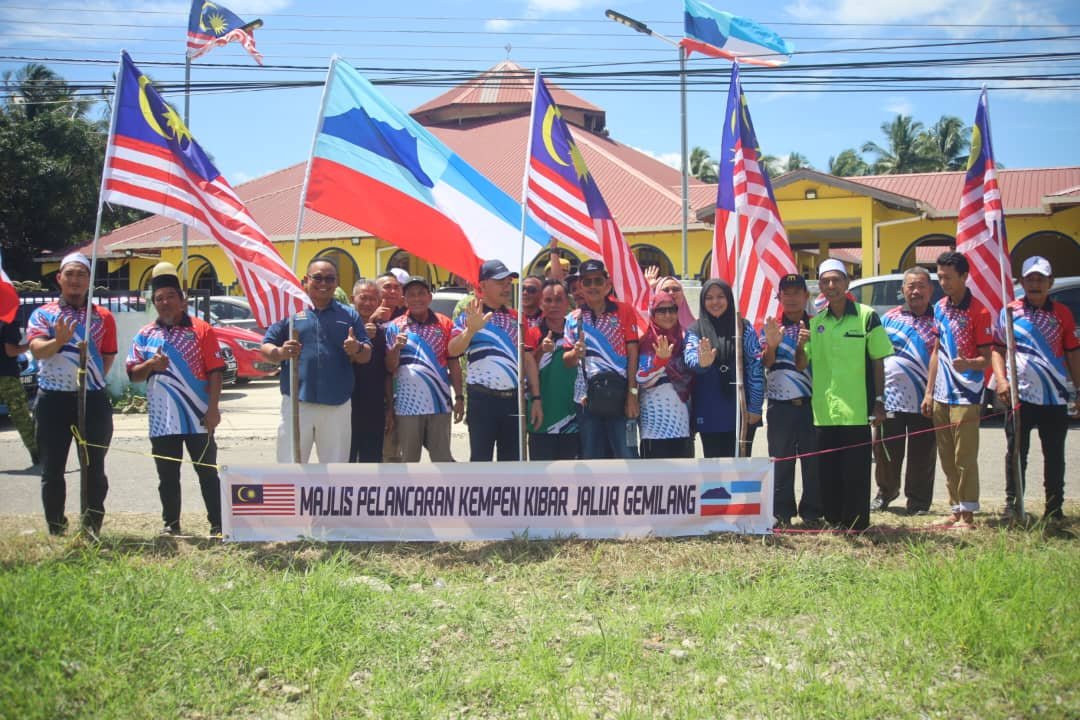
column 747, row 217
column 9, row 298
column 564, row 199
column 980, row 225
column 211, row 25
column 154, row 164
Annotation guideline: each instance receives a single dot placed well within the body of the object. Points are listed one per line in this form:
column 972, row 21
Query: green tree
column 796, row 161
column 772, row 165
column 904, row 151
column 848, row 163
column 51, row 157
column 702, row 166
column 946, row 142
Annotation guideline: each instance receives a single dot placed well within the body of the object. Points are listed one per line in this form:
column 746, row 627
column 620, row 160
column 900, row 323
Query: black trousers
column 1052, row 422
column 492, row 422
column 722, row 444
column 367, row 444
column 791, row 432
column 668, row 448
column 566, row 446
column 920, row 447
column 201, row 449
column 56, row 413
column 845, row 476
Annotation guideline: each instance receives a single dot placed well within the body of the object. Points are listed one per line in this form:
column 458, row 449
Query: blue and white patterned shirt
column 908, row 368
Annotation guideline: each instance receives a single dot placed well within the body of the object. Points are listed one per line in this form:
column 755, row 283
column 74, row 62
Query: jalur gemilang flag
column 565, row 200
column 211, row 25
column 980, row 227
column 9, row 298
column 376, row 168
column 747, row 220
column 154, row 164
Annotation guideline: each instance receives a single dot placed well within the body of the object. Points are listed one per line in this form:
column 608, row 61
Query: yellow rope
column 84, row 443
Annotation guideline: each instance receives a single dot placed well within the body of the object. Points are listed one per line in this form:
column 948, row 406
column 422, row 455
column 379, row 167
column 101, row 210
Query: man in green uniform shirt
column 846, row 344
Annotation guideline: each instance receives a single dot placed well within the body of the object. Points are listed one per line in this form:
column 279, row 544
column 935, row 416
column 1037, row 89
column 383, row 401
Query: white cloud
column 239, row 177
column 499, row 25
column 543, row 7
column 674, row 159
column 1014, row 13
column 898, row 106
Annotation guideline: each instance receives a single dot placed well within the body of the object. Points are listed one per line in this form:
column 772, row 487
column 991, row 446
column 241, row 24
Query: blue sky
column 256, row 132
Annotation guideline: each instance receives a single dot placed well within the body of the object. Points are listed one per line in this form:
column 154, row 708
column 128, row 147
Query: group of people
column 385, row 378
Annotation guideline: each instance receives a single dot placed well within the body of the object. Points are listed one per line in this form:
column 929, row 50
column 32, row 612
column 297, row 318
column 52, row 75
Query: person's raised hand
column 706, row 353
column 662, row 348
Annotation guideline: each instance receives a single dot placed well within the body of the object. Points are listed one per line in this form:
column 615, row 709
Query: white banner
column 496, row 501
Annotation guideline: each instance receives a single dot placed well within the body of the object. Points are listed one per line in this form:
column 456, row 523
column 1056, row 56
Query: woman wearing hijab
column 709, row 352
column 665, row 384
column 673, row 287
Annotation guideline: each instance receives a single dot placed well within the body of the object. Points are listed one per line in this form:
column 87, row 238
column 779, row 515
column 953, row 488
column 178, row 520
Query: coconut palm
column 702, row 166
column 947, row 143
column 34, row 88
column 905, row 152
column 796, row 161
column 848, row 164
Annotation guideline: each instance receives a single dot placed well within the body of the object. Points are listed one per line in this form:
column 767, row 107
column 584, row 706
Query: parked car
column 229, row 378
column 444, row 300
column 225, row 311
column 884, row 292
column 244, row 347
column 1066, row 291
column 28, row 372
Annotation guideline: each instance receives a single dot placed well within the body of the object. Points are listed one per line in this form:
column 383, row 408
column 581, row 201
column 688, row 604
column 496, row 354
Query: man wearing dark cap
column 418, row 359
column 487, row 334
column 790, row 417
column 601, row 337
column 1047, row 356
column 55, row 331
column 179, row 358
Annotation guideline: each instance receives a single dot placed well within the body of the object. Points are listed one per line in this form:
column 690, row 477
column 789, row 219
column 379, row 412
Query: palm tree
column 795, row 161
column 771, row 165
column 702, row 166
column 848, row 164
column 34, row 88
column 905, row 152
column 947, row 143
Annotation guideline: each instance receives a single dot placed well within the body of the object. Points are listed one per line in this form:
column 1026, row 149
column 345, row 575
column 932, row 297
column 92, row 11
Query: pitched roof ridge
column 611, row 157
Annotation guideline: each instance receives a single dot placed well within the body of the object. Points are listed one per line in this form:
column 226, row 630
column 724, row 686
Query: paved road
column 248, row 433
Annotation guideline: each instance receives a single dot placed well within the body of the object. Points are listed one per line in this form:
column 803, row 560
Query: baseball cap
column 832, row 265
column 592, row 265
column 415, row 279
column 1036, row 264
column 495, row 270
column 400, row 274
column 792, row 280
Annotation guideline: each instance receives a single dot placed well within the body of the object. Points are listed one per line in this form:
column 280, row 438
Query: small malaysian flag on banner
column 264, row 499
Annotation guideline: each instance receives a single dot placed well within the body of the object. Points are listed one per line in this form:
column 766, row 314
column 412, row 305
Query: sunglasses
column 530, row 290
column 666, row 310
column 593, row 282
column 323, row 278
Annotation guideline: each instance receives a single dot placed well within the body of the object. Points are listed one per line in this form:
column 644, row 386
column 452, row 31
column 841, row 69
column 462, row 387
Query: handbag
column 606, row 395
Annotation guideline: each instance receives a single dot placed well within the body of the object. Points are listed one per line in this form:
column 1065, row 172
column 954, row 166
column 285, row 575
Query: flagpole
column 523, row 382
column 184, row 227
column 685, row 165
column 84, row 346
column 736, row 291
column 294, row 364
column 1010, row 340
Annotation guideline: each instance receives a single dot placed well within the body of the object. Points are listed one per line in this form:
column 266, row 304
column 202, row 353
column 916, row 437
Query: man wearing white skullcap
column 55, row 331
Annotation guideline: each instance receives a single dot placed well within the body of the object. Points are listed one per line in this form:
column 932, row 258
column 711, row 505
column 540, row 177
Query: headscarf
column 719, row 330
column 686, row 315
column 677, row 373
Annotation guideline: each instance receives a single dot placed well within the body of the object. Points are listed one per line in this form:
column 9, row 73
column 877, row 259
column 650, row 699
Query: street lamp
column 638, row 26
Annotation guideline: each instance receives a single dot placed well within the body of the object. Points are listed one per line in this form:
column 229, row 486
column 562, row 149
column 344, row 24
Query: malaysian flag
column 980, row 226
column 747, row 217
column 265, row 499
column 154, row 164
column 9, row 297
column 564, row 199
column 211, row 25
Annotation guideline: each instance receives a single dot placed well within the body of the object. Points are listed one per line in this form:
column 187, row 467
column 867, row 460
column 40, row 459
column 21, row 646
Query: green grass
column 977, row 625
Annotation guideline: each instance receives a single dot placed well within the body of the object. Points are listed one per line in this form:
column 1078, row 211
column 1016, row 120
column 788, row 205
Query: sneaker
column 170, row 530
column 58, row 528
column 918, row 511
column 1053, row 516
column 879, row 503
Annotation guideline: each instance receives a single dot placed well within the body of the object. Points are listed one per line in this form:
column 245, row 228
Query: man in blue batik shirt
column 331, row 338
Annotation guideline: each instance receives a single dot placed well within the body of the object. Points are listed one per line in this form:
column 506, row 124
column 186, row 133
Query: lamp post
column 638, row 26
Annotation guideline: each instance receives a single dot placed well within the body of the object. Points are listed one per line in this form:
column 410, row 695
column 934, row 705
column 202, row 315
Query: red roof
column 1022, row 191
column 505, row 84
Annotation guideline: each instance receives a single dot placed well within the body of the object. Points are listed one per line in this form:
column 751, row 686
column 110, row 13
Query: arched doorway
column 1061, row 250
column 706, row 267
column 536, row 267
column 925, row 251
column 651, row 255
column 202, row 276
column 348, row 271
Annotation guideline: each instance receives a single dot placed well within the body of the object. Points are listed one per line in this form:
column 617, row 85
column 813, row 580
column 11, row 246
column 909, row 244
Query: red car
column 245, row 345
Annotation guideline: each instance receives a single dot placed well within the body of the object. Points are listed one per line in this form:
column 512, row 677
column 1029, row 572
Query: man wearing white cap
column 1047, row 355
column 55, row 331
column 847, row 346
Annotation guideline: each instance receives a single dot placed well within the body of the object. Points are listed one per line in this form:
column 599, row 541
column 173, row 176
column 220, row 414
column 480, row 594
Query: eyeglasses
column 593, row 282
column 530, row 290
column 323, row 278
column 665, row 310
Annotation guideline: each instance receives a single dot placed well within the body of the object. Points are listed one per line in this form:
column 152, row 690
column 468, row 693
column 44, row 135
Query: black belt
column 797, row 402
column 482, row 390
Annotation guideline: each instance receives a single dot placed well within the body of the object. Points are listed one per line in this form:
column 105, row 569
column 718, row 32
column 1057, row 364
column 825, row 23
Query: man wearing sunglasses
column 531, row 285
column 330, row 338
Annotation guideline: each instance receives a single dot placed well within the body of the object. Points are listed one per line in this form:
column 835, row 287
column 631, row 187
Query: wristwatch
column 880, row 399
column 633, row 391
